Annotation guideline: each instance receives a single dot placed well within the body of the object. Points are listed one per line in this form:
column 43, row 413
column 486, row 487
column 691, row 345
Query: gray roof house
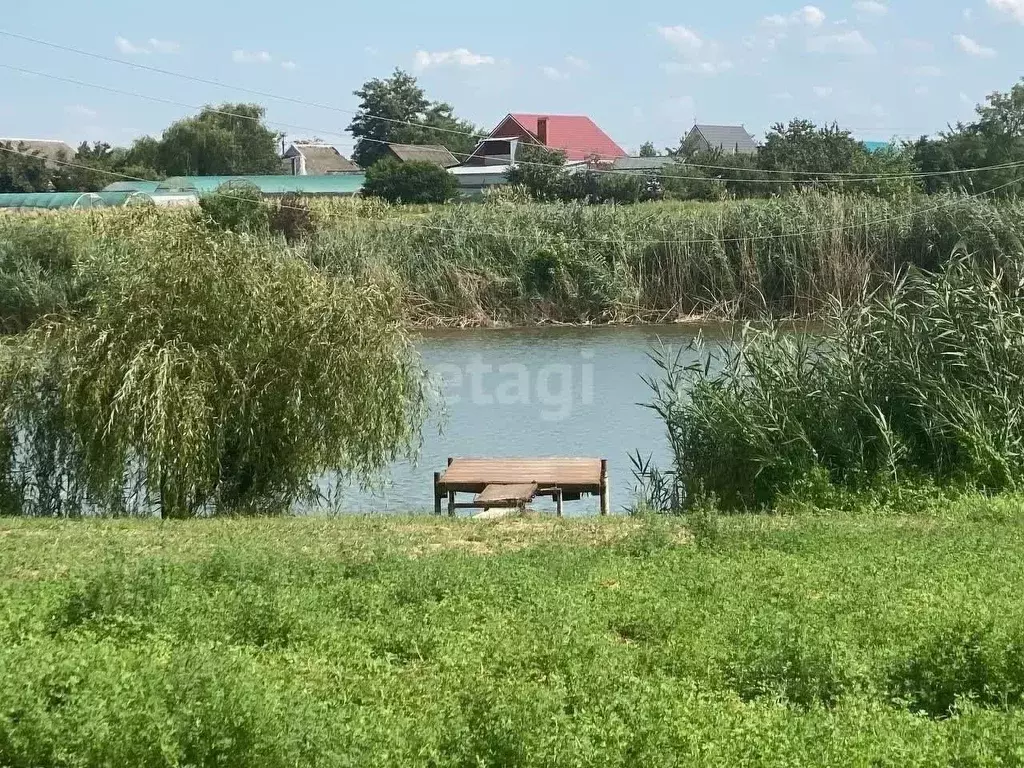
column 315, row 158
column 424, row 153
column 53, row 152
column 730, row 139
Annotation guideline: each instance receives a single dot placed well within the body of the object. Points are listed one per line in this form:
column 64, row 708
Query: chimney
column 542, row 131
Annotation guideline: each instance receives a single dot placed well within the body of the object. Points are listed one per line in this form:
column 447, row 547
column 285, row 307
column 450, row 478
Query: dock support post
column 606, row 501
column 437, row 494
column 558, row 501
column 451, row 504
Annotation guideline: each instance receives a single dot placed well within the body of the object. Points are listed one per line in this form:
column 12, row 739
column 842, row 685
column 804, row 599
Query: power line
column 317, row 131
column 815, row 176
column 216, row 83
column 605, row 241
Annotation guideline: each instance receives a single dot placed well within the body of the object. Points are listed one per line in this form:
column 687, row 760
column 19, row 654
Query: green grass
column 872, row 638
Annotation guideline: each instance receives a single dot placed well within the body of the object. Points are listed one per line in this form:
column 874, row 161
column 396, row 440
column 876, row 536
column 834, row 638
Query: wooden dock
column 514, row 483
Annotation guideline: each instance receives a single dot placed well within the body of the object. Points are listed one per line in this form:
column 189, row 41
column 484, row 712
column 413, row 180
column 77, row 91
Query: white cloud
column 251, row 57
column 369, row 50
column 928, row 70
column 701, row 57
column 153, row 45
column 968, row 14
column 871, row 7
column 783, row 96
column 1014, row 8
column 922, row 90
column 683, row 38
column 291, row 66
column 973, row 48
column 460, row 57
column 967, row 100
column 851, row 43
column 127, row 47
column 573, row 64
column 81, row 111
column 809, row 15
column 163, row 46
column 822, row 91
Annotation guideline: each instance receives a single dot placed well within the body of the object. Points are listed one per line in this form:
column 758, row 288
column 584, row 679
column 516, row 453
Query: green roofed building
column 332, row 185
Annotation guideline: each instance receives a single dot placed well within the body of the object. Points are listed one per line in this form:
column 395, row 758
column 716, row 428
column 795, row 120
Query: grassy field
column 874, row 638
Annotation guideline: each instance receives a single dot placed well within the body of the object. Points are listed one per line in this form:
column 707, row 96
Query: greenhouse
column 50, row 201
column 55, row 201
column 333, row 185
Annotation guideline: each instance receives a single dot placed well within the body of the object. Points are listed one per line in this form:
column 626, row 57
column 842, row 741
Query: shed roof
column 425, row 153
column 576, row 135
column 726, row 137
column 132, row 186
column 330, row 184
column 321, row 159
column 49, row 150
column 642, row 163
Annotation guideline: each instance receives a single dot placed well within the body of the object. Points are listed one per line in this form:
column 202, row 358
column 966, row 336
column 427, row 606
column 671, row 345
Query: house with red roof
column 577, row 136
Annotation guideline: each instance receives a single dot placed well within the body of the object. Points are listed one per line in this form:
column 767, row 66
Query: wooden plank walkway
column 516, row 482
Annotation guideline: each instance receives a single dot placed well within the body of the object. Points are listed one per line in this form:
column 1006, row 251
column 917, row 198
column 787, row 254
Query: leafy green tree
column 996, row 138
column 647, row 150
column 414, row 182
column 206, row 372
column 224, row 141
column 396, row 110
column 22, row 170
column 540, row 170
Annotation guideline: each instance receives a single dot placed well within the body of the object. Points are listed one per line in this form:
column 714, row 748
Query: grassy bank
column 526, row 263
column 877, row 638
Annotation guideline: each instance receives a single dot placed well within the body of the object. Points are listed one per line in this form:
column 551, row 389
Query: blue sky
column 642, row 70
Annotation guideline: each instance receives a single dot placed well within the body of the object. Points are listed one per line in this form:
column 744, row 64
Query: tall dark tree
column 396, row 110
column 647, row 149
column 231, row 139
column 22, row 170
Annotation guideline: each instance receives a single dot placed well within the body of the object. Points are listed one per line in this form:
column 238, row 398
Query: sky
column 644, row 71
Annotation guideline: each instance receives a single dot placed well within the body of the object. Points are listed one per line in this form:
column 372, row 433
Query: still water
column 534, row 393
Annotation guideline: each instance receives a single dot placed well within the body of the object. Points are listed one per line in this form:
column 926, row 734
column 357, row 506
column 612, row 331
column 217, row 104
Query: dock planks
column 492, row 480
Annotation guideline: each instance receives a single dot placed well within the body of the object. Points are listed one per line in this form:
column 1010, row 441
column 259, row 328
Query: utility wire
column 318, row 131
column 602, row 241
column 853, row 176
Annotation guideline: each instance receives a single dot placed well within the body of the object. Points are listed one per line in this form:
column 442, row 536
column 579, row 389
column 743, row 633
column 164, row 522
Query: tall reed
column 921, row 382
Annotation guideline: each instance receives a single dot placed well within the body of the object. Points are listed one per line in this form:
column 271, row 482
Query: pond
column 534, row 393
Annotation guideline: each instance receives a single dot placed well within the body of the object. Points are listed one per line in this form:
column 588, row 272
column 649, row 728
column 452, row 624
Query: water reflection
column 533, row 393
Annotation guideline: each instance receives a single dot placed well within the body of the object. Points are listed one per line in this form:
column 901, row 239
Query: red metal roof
column 577, row 135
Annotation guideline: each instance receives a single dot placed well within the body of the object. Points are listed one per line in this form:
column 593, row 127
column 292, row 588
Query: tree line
column 234, row 139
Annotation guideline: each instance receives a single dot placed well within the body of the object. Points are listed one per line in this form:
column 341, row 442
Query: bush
column 209, row 371
column 240, row 208
column 923, row 382
column 292, row 218
column 415, row 182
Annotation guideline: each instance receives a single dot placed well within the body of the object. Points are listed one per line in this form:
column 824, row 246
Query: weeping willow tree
column 204, row 372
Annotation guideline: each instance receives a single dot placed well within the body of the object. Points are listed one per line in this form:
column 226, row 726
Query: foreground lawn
column 854, row 639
